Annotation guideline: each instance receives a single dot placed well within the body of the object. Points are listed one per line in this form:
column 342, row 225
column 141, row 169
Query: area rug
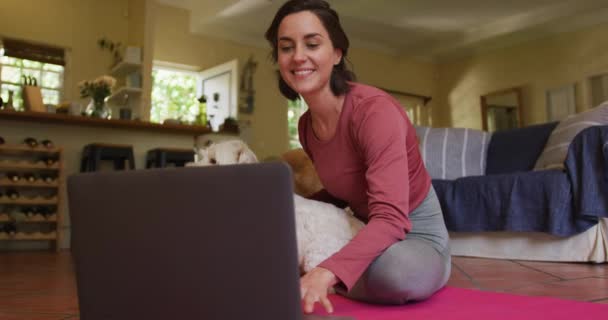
column 457, row 303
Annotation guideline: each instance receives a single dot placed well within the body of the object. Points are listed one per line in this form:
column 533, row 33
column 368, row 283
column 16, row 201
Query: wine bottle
column 47, row 143
column 12, row 194
column 10, row 228
column 27, row 211
column 29, row 177
column 1, row 140
column 46, row 212
column 31, row 142
column 9, row 104
column 49, row 161
column 47, row 177
column 12, row 176
column 201, row 118
column 33, row 211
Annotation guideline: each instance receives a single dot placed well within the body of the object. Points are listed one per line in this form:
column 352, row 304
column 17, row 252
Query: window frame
column 39, row 77
column 603, row 75
column 177, row 68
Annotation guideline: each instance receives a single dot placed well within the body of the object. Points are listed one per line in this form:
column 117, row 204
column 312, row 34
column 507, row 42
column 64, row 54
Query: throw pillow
column 516, row 150
column 450, row 153
column 556, row 149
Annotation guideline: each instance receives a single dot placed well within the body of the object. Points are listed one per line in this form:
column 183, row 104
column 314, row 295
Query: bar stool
column 94, row 153
column 162, row 157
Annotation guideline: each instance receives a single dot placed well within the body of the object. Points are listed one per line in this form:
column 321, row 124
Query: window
column 176, row 89
column 19, row 59
column 413, row 107
column 173, row 95
column 561, row 102
column 295, row 109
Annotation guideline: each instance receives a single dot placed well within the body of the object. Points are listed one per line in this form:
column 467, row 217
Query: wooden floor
column 41, row 285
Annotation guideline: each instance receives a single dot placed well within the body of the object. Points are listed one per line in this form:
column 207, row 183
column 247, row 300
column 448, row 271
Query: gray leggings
column 412, row 269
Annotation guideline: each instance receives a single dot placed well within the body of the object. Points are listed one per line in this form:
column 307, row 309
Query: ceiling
column 430, row 29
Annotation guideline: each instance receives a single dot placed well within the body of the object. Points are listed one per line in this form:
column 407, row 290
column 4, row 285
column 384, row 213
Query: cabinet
column 30, row 198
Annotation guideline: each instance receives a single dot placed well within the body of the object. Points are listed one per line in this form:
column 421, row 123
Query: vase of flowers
column 98, row 90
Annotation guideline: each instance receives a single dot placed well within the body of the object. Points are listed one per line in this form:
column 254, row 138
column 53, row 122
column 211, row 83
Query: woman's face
column 305, row 53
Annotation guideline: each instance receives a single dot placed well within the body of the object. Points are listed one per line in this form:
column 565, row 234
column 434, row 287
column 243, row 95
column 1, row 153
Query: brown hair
column 340, row 74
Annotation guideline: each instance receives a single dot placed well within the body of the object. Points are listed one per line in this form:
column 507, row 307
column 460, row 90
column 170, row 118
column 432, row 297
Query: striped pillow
column 556, row 149
column 451, row 153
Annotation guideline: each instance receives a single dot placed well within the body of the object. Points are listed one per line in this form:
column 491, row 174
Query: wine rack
column 30, row 198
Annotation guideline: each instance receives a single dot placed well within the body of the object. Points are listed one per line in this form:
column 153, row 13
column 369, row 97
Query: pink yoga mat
column 456, row 303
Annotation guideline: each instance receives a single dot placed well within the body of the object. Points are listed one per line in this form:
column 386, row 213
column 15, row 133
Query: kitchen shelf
column 25, row 165
column 117, row 97
column 123, row 69
column 63, row 119
column 4, row 217
column 36, row 184
column 29, row 202
column 29, row 236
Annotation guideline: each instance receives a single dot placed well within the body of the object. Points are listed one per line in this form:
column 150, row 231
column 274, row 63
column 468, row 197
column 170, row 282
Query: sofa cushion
column 450, row 153
column 516, row 150
column 555, row 150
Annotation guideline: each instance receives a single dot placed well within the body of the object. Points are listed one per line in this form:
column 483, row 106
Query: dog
column 224, row 153
column 322, row 229
column 306, row 182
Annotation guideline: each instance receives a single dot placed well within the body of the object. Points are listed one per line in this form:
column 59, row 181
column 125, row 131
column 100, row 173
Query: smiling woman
column 364, row 148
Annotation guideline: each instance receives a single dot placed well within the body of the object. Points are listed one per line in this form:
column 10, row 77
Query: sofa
column 504, row 197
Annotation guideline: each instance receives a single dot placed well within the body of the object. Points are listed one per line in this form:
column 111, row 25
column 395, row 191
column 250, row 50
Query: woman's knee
column 403, row 274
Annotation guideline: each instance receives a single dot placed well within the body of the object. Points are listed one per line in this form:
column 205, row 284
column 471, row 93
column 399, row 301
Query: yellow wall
column 173, row 43
column 72, row 24
column 455, row 86
column 537, row 66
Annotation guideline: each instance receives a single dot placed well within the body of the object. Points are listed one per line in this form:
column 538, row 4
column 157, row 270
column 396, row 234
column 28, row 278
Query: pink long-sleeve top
column 373, row 164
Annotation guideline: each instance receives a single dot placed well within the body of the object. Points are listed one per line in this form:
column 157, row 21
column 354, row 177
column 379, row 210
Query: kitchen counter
column 43, row 117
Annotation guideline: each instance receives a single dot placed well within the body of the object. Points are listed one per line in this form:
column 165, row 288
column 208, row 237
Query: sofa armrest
column 587, row 168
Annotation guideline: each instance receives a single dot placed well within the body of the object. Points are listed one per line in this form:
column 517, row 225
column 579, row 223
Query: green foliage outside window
column 173, row 96
column 295, row 109
column 48, row 76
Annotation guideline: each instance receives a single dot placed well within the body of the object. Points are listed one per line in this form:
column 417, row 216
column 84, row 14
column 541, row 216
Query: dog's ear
column 246, row 156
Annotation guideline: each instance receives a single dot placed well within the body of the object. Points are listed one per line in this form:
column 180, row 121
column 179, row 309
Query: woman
column 365, row 151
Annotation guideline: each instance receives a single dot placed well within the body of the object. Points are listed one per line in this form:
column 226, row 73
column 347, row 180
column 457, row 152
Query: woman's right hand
column 314, row 287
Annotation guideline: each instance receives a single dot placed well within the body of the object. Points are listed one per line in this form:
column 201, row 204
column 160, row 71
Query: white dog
column 321, row 228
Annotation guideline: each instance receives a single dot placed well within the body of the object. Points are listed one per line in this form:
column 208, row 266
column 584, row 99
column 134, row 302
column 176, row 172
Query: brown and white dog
column 321, row 228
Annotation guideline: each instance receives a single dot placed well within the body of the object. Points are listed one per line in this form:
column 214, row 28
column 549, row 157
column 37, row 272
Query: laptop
column 186, row 243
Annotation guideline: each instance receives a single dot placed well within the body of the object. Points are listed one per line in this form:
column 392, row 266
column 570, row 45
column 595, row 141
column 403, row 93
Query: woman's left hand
column 314, row 286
